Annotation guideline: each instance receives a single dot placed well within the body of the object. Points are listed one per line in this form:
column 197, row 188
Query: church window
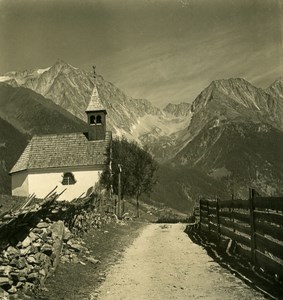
column 68, row 179
column 98, row 119
column 92, row 120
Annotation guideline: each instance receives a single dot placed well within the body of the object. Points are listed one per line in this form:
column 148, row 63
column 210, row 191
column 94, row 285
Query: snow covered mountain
column 71, row 88
column 231, row 134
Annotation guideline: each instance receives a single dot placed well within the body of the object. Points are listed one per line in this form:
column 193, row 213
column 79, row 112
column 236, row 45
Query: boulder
column 5, row 281
column 5, row 270
column 47, row 249
column 24, row 272
column 37, row 230
column 43, row 237
column 13, row 252
column 42, row 272
column 21, row 263
column 31, row 260
column 4, row 295
column 19, row 284
column 32, row 277
column 14, row 262
column 22, row 279
column 12, row 290
column 25, row 251
column 38, row 244
column 32, row 249
column 75, row 245
column 33, row 236
column 26, row 242
column 42, row 225
column 67, row 234
column 93, row 260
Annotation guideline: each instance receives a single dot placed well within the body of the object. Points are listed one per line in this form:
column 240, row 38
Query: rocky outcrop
column 178, row 110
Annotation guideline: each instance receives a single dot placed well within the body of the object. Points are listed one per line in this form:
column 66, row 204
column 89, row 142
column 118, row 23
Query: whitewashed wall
column 42, row 182
column 20, row 184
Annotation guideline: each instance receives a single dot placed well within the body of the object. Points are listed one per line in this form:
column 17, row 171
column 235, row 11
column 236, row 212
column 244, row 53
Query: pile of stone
column 89, row 219
column 31, row 260
column 75, row 251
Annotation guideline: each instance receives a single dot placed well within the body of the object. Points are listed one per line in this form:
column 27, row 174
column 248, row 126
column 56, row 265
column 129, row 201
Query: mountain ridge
column 71, row 88
column 225, row 137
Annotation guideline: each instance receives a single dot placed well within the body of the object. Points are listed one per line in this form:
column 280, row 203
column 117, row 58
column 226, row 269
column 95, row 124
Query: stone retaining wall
column 33, row 259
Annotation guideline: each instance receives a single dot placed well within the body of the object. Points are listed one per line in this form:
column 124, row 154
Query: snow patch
column 158, row 125
column 73, row 67
column 4, row 78
column 41, row 71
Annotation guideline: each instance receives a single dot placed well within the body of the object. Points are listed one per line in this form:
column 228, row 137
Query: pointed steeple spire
column 95, row 102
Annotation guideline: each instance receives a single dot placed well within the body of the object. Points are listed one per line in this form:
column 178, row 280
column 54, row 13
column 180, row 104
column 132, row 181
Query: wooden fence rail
column 255, row 224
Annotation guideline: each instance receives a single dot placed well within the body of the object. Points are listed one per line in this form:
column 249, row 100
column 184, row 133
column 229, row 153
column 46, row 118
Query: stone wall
column 33, row 252
column 37, row 235
column 32, row 260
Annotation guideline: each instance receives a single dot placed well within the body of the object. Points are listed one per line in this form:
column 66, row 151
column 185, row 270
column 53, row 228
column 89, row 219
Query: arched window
column 68, row 179
column 92, row 120
column 98, row 119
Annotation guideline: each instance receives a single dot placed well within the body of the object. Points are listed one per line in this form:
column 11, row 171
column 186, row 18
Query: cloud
column 162, row 50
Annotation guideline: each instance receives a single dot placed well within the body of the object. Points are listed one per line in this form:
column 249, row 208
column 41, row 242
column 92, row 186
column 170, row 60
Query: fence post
column 208, row 221
column 252, row 224
column 218, row 220
column 232, row 213
column 200, row 214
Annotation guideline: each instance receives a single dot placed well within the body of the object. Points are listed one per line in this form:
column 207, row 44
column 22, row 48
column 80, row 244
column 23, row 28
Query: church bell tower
column 96, row 115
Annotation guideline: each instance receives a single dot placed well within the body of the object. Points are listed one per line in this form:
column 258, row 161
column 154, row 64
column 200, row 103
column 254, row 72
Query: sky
column 161, row 50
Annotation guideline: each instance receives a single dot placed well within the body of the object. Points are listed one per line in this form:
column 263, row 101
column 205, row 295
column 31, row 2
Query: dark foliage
column 137, row 167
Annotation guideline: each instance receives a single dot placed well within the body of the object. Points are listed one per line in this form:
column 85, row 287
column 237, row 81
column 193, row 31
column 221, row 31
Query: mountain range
column 226, row 140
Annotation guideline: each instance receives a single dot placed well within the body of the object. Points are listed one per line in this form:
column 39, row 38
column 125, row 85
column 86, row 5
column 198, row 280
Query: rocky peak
column 178, row 110
column 235, row 100
column 276, row 88
column 145, row 107
column 232, row 92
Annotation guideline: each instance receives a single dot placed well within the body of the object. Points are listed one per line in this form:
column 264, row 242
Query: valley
column 227, row 139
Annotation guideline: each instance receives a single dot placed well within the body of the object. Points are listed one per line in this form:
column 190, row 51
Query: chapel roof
column 62, row 150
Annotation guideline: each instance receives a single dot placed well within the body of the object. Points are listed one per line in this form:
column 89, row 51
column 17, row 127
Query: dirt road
column 163, row 263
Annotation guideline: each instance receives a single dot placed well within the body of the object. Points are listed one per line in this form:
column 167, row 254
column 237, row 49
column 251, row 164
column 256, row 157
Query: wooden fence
column 256, row 225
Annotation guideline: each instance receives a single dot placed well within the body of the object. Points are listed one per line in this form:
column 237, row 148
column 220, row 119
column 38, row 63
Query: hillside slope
column 236, row 135
column 12, row 143
column 31, row 113
column 24, row 113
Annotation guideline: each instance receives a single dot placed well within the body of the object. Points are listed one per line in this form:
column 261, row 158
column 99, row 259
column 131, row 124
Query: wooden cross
column 94, row 72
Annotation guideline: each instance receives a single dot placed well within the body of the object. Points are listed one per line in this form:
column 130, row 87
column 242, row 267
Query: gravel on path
column 163, row 263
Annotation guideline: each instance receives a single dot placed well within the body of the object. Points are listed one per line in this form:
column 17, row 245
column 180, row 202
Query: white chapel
column 68, row 161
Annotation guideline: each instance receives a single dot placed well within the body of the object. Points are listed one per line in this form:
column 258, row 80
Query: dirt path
column 163, row 263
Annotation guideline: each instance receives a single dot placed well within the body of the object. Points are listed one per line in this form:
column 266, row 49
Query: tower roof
column 95, row 102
